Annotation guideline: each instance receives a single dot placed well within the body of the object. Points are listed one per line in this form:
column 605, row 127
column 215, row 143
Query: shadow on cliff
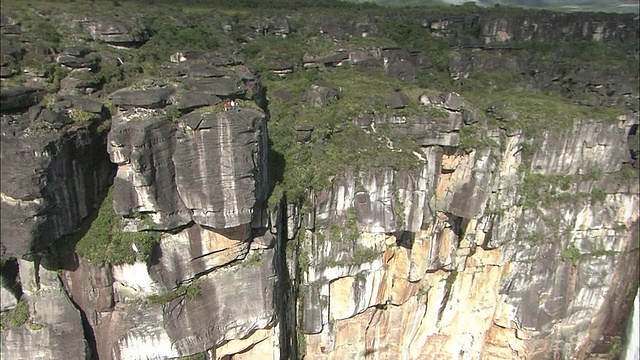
column 61, row 254
column 277, row 165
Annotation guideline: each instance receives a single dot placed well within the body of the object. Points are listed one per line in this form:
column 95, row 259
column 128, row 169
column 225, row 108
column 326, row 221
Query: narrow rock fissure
column 87, row 329
column 285, row 291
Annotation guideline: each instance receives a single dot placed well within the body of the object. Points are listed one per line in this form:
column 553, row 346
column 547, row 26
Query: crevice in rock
column 447, row 295
column 9, row 272
column 286, row 291
column 36, row 271
column 89, row 336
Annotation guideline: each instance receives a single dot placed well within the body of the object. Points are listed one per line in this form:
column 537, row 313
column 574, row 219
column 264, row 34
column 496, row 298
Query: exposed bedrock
column 209, row 168
column 50, row 182
column 221, row 166
column 136, row 311
column 456, row 258
column 53, row 329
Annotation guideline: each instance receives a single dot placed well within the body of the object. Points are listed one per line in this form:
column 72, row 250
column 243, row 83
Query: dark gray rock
column 225, row 150
column 54, row 119
column 453, row 101
column 311, row 321
column 60, row 333
column 319, row 96
column 148, row 98
column 280, row 27
column 280, row 66
column 191, row 100
column 236, row 302
column 117, row 32
column 88, row 105
column 224, row 87
column 363, row 59
column 420, row 126
column 50, row 184
column 19, row 97
column 283, row 94
column 334, row 59
column 397, row 100
column 78, row 62
column 399, row 64
column 6, row 72
column 204, row 70
column 304, row 132
column 145, row 181
column 76, row 51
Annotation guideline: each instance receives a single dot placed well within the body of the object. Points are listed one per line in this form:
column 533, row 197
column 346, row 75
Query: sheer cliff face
column 50, row 182
column 515, row 249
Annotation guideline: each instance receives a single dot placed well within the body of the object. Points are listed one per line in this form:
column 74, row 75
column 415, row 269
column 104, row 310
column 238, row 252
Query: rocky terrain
column 438, row 183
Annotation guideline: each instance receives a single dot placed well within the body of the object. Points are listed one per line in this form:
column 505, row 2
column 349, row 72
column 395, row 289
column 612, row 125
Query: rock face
column 54, row 330
column 222, row 190
column 208, row 169
column 50, row 183
column 457, row 263
column 508, row 249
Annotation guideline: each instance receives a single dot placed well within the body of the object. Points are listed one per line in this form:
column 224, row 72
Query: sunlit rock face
column 207, row 169
column 54, row 327
column 218, row 161
column 485, row 272
column 516, row 249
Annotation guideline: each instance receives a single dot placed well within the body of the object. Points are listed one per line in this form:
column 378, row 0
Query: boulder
column 304, row 132
column 397, row 100
column 117, row 32
column 204, row 70
column 78, row 62
column 320, row 95
column 398, row 64
column 191, row 100
column 19, row 97
column 224, row 87
column 148, row 98
column 453, row 101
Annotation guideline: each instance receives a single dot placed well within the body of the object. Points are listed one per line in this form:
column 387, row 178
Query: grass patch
column 192, row 291
column 473, row 137
column 16, row 317
column 104, row 241
column 337, row 145
column 571, row 253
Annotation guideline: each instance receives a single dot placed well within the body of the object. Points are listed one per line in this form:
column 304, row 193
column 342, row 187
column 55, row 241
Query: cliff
column 437, row 184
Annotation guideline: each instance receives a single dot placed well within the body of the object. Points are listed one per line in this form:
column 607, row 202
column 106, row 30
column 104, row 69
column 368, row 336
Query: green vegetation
column 625, row 175
column 337, row 144
column 616, row 347
column 81, row 116
column 190, row 292
column 473, row 137
column 545, row 189
column 603, row 252
column 104, row 241
column 252, row 260
column 198, row 356
column 535, row 238
column 571, row 253
column 16, row 317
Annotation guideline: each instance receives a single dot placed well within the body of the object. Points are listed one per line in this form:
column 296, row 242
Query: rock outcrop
column 54, row 172
column 491, row 239
column 436, row 252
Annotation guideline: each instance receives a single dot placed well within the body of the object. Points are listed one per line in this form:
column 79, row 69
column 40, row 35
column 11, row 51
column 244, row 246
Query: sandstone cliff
column 357, row 205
